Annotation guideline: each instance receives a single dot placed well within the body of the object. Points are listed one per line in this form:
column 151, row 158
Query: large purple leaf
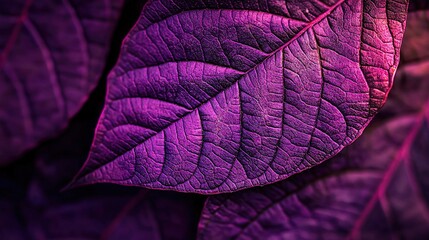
column 52, row 54
column 375, row 189
column 216, row 96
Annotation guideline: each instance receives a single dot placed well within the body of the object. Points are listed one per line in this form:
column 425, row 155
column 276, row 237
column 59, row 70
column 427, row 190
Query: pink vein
column 15, row 33
column 387, row 176
column 131, row 204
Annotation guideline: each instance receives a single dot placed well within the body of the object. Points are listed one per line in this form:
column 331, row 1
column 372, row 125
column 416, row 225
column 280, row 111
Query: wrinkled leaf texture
column 52, row 54
column 217, row 96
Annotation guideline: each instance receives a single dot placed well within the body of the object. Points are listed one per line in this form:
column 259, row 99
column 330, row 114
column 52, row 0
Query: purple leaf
column 375, row 189
column 51, row 55
column 411, row 89
column 216, row 96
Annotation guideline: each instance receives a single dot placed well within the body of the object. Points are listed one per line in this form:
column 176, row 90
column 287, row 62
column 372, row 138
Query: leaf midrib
column 299, row 34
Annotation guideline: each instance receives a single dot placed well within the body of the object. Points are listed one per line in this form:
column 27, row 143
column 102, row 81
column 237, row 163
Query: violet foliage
column 213, row 97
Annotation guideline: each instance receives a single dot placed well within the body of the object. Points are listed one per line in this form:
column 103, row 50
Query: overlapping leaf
column 376, row 189
column 51, row 55
column 216, row 96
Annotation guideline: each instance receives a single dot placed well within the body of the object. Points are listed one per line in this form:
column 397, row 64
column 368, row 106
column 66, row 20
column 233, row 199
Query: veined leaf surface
column 217, row 96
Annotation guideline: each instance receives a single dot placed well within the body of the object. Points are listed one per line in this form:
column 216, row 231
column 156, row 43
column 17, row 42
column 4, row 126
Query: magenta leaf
column 52, row 54
column 375, row 189
column 217, row 96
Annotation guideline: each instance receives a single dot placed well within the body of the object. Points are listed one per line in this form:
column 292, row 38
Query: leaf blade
column 255, row 128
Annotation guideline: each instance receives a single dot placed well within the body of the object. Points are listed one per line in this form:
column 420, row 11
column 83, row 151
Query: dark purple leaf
column 418, row 5
column 158, row 217
column 216, row 96
column 107, row 216
column 11, row 227
column 51, row 55
column 375, row 189
column 411, row 88
column 142, row 216
column 82, row 218
column 97, row 212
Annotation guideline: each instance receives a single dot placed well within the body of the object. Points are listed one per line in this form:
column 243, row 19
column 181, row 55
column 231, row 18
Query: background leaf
column 52, row 54
column 411, row 88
